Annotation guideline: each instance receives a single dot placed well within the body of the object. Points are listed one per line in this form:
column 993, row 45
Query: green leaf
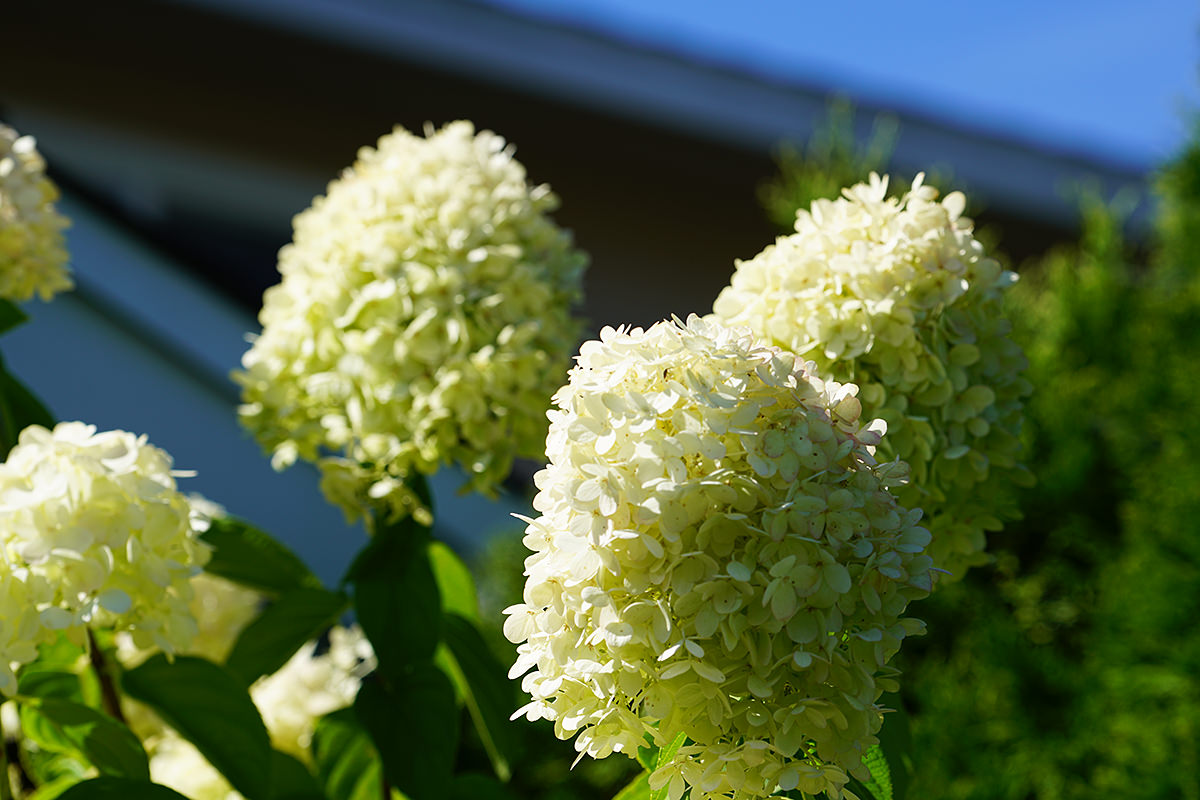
column 294, row 618
column 211, row 709
column 19, row 408
column 50, row 683
column 396, row 598
column 482, row 683
column 119, row 789
column 665, row 755
column 880, row 784
column 244, row 554
column 347, row 763
column 636, row 789
column 45, row 767
column 291, row 780
column 27, row 409
column 414, row 724
column 454, row 581
column 64, row 726
column 11, row 316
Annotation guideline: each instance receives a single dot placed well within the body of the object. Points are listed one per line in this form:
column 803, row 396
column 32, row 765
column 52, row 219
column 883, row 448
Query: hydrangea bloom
column 718, row 555
column 33, row 257
column 21, row 630
column 897, row 295
column 309, row 686
column 423, row 318
column 92, row 523
column 222, row 609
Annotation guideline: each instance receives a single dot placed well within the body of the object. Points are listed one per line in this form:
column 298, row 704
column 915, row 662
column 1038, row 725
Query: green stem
column 108, row 689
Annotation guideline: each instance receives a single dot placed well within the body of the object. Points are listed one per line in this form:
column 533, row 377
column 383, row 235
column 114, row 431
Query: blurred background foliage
column 1069, row 667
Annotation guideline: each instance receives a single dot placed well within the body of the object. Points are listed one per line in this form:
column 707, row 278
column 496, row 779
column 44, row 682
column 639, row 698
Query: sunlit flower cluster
column 33, row 256
column 311, row 685
column 21, row 629
column 93, row 525
column 423, row 318
column 897, row 295
column 222, row 609
column 716, row 554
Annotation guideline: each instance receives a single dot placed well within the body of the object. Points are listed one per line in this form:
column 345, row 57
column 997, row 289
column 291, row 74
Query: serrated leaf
column 248, row 556
column 294, row 618
column 396, row 598
column 483, row 685
column 64, row 726
column 119, row 789
column 880, row 784
column 665, row 756
column 455, row 584
column 413, row 723
column 636, row 789
column 210, row 708
column 348, row 766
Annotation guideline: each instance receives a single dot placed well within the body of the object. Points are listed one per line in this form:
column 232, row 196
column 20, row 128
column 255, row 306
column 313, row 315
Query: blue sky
column 1113, row 80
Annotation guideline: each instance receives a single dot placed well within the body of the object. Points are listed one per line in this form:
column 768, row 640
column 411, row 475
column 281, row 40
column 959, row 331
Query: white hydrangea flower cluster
column 21, row 628
column 897, row 295
column 423, row 318
column 222, row 610
column 311, row 685
column 94, row 527
column 291, row 701
column 717, row 554
column 33, row 255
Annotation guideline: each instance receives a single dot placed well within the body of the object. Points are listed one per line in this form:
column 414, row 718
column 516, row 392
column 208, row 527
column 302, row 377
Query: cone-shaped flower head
column 717, row 555
column 423, row 318
column 33, row 256
column 897, row 295
column 93, row 524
